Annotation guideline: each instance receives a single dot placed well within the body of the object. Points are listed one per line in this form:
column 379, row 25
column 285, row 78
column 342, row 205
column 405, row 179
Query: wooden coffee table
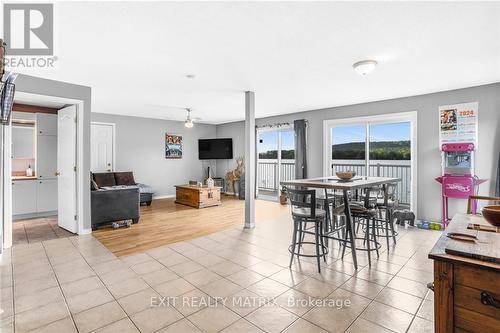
column 197, row 196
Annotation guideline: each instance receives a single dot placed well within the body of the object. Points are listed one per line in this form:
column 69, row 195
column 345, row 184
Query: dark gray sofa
column 114, row 204
column 110, row 179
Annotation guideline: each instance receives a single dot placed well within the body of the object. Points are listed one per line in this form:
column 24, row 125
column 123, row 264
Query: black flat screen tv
column 215, row 149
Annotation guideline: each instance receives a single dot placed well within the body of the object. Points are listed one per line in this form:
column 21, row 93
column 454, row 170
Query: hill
column 380, row 150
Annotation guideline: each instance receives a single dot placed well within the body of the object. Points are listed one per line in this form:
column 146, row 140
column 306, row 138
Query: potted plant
column 283, row 196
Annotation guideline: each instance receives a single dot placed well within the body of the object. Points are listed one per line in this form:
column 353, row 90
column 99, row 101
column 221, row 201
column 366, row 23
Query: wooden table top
column 196, row 187
column 487, row 244
column 336, row 183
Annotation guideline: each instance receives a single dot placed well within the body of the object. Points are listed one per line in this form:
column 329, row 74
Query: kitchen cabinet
column 46, row 198
column 24, row 197
column 23, row 141
column 23, row 116
column 46, row 156
column 46, row 124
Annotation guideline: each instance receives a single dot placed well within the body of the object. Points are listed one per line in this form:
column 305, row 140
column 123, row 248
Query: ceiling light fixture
column 364, row 67
column 189, row 122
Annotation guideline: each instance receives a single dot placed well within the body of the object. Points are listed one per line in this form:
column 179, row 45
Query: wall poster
column 173, row 146
column 458, row 123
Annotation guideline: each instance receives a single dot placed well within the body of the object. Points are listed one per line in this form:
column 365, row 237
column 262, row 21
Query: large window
column 374, row 146
column 275, row 160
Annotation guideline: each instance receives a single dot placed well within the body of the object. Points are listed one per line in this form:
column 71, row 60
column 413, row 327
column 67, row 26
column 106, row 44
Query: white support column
column 249, row 159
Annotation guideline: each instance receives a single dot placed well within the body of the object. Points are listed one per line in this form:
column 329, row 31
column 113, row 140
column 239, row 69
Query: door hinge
column 76, row 217
column 74, row 168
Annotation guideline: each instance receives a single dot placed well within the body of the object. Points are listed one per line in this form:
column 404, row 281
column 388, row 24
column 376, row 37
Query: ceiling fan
column 189, row 122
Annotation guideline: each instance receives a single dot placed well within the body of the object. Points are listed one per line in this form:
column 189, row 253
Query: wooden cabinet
column 46, row 198
column 46, row 156
column 24, row 195
column 46, row 124
column 466, row 289
column 198, row 197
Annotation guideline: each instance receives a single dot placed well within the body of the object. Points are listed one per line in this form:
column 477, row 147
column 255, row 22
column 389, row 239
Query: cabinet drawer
column 469, row 320
column 476, row 278
column 470, row 298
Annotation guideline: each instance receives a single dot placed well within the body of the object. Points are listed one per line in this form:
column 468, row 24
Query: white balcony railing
column 267, row 174
column 396, row 169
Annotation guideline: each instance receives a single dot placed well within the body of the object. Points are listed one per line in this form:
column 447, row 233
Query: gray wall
column 36, row 85
column 140, row 147
column 429, row 157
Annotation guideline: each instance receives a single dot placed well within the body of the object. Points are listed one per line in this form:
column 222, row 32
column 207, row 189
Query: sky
column 379, row 132
column 343, row 134
column 270, row 141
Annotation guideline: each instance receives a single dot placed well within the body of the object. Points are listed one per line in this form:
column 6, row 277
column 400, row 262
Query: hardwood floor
column 165, row 222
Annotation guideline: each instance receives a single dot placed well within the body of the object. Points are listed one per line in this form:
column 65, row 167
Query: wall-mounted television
column 215, row 149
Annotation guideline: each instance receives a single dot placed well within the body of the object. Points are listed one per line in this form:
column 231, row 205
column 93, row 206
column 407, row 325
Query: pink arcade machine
column 458, row 179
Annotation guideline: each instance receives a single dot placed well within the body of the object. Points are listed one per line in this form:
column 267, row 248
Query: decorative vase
column 210, row 182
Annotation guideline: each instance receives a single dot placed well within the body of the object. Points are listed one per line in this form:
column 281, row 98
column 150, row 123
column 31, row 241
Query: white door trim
column 82, row 179
column 410, row 116
column 113, row 126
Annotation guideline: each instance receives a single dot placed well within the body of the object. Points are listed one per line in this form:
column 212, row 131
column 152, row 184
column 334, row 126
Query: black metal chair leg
column 391, row 221
column 375, row 238
column 301, row 236
column 387, row 234
column 367, row 240
column 316, row 235
column 294, row 242
column 320, row 229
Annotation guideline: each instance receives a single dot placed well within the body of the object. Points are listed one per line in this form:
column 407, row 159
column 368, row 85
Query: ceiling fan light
column 364, row 67
column 189, row 122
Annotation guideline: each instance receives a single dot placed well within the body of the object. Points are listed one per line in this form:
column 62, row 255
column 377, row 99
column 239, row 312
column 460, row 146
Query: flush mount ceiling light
column 189, row 122
column 364, row 67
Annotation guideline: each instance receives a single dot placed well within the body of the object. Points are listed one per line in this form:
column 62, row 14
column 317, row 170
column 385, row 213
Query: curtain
column 497, row 189
column 299, row 127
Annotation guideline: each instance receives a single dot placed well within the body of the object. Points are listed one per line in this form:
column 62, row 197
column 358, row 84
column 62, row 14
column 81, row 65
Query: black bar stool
column 363, row 213
column 387, row 203
column 304, row 211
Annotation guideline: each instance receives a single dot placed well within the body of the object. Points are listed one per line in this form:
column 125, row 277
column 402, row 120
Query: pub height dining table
column 352, row 186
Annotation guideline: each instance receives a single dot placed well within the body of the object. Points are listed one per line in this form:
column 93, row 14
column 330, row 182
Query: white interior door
column 102, row 147
column 66, row 165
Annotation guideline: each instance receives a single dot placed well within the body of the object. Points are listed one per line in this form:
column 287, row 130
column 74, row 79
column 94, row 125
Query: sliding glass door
column 375, row 146
column 348, row 148
column 275, row 160
column 390, row 155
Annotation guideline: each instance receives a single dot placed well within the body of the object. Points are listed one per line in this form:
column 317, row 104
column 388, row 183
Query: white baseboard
column 169, row 196
column 86, row 231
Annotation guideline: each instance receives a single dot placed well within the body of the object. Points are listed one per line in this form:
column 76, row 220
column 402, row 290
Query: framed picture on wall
column 173, row 146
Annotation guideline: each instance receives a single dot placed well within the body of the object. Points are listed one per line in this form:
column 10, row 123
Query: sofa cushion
column 105, row 179
column 93, row 184
column 124, row 178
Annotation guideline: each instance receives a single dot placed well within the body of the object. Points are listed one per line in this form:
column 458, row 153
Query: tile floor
column 231, row 281
column 37, row 230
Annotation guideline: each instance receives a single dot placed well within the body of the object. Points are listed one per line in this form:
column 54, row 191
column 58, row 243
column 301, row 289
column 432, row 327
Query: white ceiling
column 296, row 56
